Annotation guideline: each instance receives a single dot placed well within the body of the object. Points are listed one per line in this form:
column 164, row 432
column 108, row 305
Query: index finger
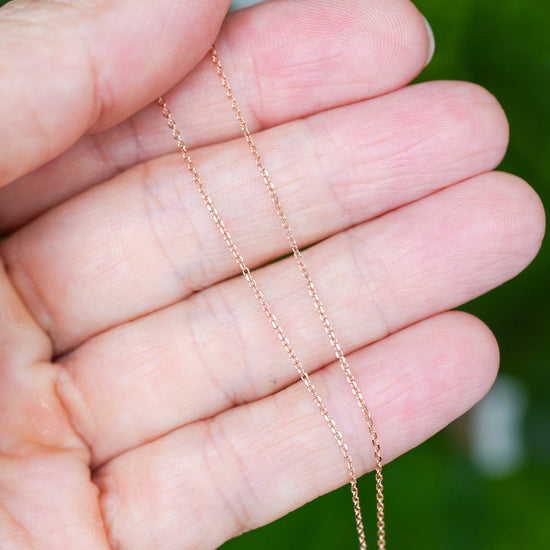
column 286, row 60
column 71, row 66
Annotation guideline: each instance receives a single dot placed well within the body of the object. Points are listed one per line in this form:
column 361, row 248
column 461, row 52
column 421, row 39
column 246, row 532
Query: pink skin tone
column 145, row 401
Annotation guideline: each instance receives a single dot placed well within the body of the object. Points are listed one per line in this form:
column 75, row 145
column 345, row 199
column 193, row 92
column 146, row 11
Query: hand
column 145, row 401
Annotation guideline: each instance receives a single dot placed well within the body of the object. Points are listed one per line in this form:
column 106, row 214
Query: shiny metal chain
column 381, row 535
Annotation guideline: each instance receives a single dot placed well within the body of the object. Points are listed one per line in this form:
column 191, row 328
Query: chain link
column 344, row 365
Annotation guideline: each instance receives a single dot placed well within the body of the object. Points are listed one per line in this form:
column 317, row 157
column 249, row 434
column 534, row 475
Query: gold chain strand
column 313, row 293
column 271, row 317
column 318, row 305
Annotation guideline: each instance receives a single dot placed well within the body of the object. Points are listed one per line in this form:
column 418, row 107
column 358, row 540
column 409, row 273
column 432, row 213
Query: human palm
column 146, row 403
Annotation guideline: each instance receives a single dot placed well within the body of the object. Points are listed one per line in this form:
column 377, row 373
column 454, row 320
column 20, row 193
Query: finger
column 70, row 67
column 148, row 235
column 210, row 481
column 285, row 60
column 216, row 350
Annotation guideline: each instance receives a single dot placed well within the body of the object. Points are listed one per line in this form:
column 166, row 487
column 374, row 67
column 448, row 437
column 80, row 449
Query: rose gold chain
column 344, row 365
column 381, row 538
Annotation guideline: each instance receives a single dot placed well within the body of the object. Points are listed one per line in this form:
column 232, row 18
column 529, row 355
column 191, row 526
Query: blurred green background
column 465, row 489
column 462, row 490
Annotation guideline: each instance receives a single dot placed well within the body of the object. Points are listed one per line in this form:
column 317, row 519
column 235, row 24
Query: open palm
column 145, row 401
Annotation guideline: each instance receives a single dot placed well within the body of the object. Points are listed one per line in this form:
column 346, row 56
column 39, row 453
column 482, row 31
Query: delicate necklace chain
column 313, row 293
column 381, row 535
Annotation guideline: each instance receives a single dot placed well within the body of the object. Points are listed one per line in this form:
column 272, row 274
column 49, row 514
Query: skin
column 145, row 401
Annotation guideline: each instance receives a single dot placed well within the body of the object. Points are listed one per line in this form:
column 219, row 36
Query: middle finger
column 144, row 240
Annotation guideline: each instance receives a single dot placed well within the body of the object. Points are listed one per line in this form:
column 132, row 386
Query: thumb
column 68, row 67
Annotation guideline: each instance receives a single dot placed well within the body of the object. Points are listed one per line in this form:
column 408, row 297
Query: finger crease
column 223, row 451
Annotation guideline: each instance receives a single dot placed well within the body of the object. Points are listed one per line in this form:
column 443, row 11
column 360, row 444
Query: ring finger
column 215, row 350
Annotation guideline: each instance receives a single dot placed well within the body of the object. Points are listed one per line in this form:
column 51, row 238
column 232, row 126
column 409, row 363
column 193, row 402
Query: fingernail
column 432, row 40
